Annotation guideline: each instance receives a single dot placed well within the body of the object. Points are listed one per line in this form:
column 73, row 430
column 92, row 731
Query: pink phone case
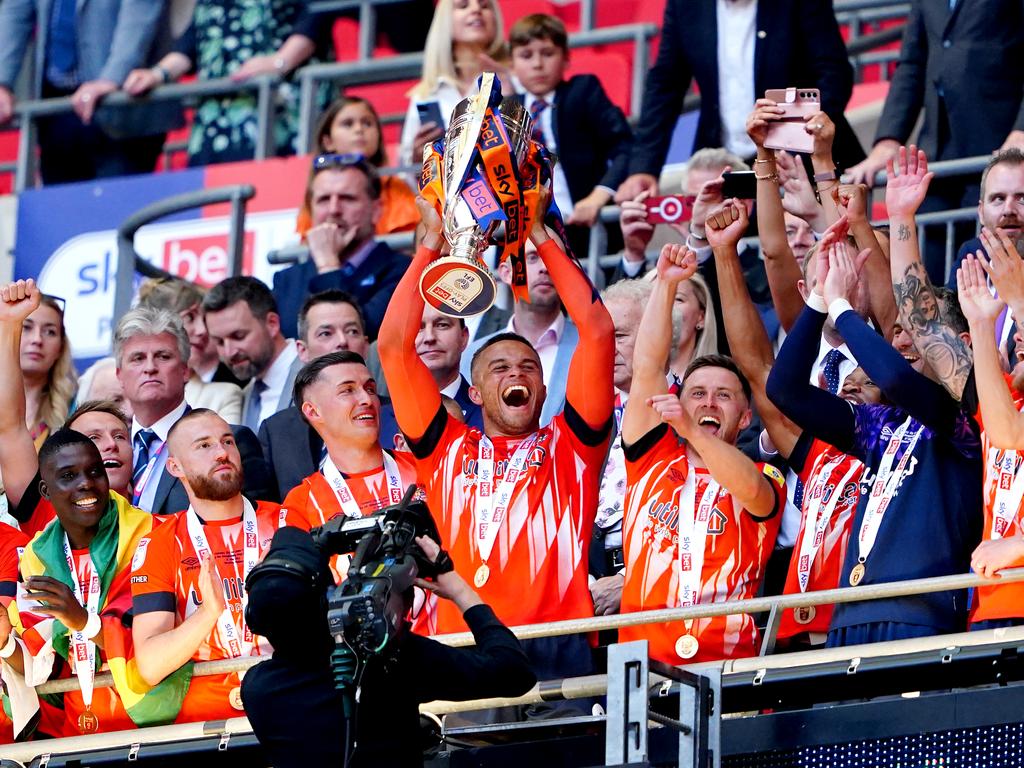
column 788, row 133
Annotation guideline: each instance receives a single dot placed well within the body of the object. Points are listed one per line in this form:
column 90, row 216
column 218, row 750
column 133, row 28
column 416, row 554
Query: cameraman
column 296, row 712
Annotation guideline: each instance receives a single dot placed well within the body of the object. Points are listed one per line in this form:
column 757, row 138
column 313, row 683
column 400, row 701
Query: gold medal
column 483, row 573
column 804, row 615
column 687, row 646
column 235, row 698
column 857, row 574
column 88, row 722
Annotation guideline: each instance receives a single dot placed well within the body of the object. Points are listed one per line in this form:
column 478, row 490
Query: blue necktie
column 141, row 444
column 252, row 411
column 536, row 112
column 61, row 43
column 830, row 370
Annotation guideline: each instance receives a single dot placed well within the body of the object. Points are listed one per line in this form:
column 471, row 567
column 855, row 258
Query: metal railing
column 598, row 623
column 389, row 69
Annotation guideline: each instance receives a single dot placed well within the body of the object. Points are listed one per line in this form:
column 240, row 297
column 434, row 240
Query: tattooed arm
column 920, row 312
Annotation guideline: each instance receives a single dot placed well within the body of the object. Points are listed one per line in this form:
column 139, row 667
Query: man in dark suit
column 575, row 120
column 440, row 344
column 344, row 197
column 763, row 44
column 151, row 349
column 330, row 321
column 953, row 63
column 85, row 50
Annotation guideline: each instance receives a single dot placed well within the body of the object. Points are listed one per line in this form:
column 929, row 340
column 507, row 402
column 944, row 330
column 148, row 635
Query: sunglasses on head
column 61, row 303
column 346, row 160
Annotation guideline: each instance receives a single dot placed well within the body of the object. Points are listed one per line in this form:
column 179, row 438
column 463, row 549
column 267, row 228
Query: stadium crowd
column 787, row 399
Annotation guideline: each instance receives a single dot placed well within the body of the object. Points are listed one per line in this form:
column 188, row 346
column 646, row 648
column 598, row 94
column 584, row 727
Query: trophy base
column 457, row 287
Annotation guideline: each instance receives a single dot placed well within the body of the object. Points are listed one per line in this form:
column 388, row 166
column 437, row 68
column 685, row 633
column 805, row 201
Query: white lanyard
column 492, row 503
column 1009, row 489
column 226, row 628
column 816, row 516
column 693, row 533
column 884, row 487
column 349, row 506
column 83, row 650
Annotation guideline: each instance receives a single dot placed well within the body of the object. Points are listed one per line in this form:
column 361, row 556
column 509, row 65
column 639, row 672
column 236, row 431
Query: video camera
column 367, row 610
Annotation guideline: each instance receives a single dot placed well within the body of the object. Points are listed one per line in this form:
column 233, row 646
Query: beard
column 216, row 487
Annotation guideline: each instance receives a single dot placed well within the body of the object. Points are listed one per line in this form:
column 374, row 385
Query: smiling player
column 700, row 519
column 515, row 503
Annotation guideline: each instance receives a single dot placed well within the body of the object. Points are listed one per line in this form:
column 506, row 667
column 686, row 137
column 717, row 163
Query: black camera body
column 367, row 610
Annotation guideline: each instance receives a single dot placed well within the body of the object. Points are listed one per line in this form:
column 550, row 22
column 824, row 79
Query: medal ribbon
column 83, row 649
column 492, row 503
column 884, row 487
column 694, row 519
column 337, row 481
column 816, row 518
column 237, row 643
column 1009, row 489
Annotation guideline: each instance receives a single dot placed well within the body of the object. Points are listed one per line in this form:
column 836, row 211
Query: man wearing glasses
column 344, row 196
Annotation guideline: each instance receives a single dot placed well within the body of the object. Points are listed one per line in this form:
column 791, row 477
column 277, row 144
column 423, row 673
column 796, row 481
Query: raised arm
column 589, row 388
column 654, row 341
column 1004, row 424
column 17, row 453
column 748, row 340
column 779, row 263
column 919, row 310
column 853, row 201
column 413, row 390
column 814, row 410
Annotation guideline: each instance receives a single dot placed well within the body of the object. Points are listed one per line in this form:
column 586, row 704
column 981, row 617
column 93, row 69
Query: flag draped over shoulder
column 112, row 551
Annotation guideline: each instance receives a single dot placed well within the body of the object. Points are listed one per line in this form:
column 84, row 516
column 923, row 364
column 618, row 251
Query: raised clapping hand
column 726, row 225
column 1004, row 266
column 58, row 601
column 676, row 263
column 211, row 588
column 798, row 198
column 976, row 300
column 636, row 230
column 905, row 193
column 843, row 272
column 18, row 300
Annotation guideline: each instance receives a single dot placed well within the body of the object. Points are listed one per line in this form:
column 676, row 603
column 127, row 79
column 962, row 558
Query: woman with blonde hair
column 466, row 38
column 47, row 368
column 203, row 390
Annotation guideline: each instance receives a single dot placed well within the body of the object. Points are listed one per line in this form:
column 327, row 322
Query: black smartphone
column 430, row 112
column 739, row 184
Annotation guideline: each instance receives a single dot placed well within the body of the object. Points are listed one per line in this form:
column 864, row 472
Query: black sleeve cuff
column 639, row 449
column 587, row 435
column 428, row 442
column 154, row 602
column 801, row 450
column 479, row 617
column 30, row 500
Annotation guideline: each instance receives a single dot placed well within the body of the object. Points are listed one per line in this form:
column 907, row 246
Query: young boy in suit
column 576, row 121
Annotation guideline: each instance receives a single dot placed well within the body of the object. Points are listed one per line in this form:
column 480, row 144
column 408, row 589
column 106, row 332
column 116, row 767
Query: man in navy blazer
column 344, row 195
column 785, row 43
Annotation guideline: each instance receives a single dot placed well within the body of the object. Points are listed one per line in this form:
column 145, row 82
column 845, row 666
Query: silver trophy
column 460, row 284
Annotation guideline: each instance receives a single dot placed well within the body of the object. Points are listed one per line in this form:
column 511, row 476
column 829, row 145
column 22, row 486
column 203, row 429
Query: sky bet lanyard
column 883, row 489
column 349, row 506
column 694, row 520
column 1009, row 489
column 492, row 503
column 817, row 516
column 227, row 630
column 83, row 649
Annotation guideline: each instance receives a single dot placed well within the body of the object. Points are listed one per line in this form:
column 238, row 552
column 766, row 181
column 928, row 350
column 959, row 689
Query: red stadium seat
column 8, row 154
column 612, row 68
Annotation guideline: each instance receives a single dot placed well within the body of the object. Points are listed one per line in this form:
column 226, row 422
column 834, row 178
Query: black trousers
column 70, row 150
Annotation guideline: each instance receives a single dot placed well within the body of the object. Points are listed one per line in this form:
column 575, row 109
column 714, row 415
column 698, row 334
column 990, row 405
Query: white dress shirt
column 547, row 344
column 275, row 378
column 559, row 183
column 157, row 453
column 737, row 25
column 846, row 367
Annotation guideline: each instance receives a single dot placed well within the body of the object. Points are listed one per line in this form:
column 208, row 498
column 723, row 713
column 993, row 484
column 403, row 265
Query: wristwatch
column 826, row 175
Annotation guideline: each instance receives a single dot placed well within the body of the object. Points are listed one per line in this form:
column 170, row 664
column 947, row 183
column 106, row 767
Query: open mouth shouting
column 515, row 396
column 709, row 423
